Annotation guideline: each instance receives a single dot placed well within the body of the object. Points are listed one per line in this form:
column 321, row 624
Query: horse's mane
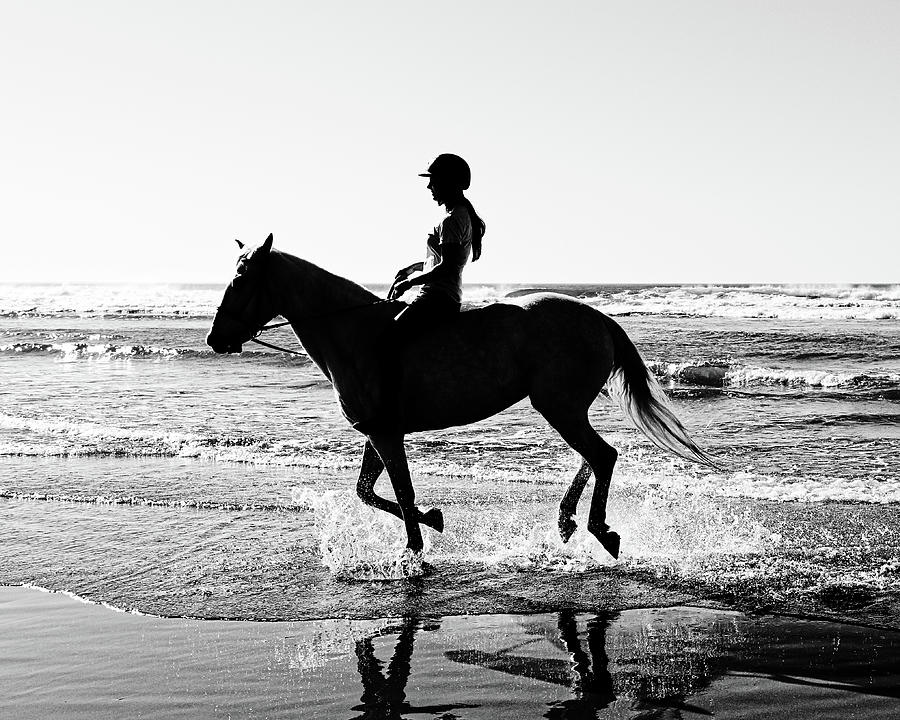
column 340, row 288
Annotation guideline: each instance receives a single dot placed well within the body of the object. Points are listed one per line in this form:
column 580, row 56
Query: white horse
column 553, row 349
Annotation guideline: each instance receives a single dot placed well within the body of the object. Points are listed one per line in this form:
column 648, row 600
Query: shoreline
column 64, row 657
column 697, row 603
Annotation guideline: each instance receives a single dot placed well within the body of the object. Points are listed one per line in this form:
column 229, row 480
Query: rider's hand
column 403, row 273
column 398, row 288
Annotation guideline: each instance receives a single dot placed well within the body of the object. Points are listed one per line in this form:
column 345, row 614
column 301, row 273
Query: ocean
column 140, row 470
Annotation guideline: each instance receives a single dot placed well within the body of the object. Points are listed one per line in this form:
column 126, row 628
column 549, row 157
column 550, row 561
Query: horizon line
column 540, row 283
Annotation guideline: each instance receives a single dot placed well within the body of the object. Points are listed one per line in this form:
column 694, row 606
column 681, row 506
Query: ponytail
column 478, row 228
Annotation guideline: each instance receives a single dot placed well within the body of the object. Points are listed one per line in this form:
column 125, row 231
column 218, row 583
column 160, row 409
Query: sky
column 610, row 142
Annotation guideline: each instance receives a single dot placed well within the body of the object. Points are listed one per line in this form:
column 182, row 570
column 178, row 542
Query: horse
column 555, row 350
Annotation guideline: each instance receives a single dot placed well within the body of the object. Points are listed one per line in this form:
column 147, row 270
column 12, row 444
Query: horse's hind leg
column 601, row 458
column 369, row 473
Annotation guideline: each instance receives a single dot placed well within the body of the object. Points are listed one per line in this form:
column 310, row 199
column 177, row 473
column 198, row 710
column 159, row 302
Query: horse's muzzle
column 222, row 347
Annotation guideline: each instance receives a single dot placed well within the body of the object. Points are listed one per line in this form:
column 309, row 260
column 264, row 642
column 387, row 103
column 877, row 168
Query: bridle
column 254, row 335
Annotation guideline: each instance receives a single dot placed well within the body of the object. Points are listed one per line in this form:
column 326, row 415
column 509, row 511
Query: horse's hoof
column 567, row 526
column 434, row 518
column 611, row 541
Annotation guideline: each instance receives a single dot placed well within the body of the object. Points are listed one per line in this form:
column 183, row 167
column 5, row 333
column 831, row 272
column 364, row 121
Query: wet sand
column 62, row 658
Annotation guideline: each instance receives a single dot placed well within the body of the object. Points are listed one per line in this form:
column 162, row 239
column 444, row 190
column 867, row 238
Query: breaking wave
column 797, row 302
column 135, row 500
column 74, row 438
column 108, row 301
column 522, row 464
column 715, row 373
column 868, row 302
column 71, row 351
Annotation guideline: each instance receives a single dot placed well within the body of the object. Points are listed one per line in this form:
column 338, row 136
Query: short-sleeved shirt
column 455, row 229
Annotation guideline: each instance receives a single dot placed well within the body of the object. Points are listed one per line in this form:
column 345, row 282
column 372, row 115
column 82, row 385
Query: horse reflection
column 591, row 682
column 587, row 674
column 648, row 666
column 384, row 694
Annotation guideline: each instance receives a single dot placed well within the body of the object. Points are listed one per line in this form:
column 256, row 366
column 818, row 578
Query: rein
column 254, row 337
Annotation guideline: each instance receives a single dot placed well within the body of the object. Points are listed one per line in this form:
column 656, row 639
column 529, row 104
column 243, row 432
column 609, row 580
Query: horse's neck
column 313, row 301
column 304, row 291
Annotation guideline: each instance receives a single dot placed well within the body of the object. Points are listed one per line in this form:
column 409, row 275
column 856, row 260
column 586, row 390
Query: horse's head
column 246, row 305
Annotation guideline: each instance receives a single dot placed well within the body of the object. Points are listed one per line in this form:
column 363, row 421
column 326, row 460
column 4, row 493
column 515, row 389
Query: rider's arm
column 452, row 256
column 454, row 232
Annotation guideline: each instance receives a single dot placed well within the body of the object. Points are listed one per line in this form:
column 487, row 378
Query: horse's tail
column 643, row 400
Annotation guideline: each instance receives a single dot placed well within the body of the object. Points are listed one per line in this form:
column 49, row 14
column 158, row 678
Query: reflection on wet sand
column 384, row 695
column 640, row 664
column 586, row 671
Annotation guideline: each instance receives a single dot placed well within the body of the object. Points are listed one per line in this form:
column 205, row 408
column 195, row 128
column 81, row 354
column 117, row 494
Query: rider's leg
column 421, row 314
column 416, row 318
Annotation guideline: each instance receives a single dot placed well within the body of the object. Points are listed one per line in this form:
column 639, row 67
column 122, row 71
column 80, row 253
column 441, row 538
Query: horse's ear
column 267, row 245
column 240, row 244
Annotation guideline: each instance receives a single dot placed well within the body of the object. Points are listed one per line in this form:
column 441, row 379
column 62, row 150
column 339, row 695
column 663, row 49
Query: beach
column 63, row 658
column 181, row 536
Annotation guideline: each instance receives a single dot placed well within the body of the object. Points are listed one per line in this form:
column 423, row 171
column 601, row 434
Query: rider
column 447, row 251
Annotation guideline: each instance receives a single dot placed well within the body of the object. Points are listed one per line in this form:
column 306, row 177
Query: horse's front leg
column 569, row 503
column 390, row 448
column 365, row 489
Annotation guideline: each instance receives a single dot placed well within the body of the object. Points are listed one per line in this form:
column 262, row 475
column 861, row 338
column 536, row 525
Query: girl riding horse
column 447, row 251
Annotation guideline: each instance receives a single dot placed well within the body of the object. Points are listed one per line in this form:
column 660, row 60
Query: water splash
column 685, row 533
column 666, row 531
column 357, row 542
column 516, row 536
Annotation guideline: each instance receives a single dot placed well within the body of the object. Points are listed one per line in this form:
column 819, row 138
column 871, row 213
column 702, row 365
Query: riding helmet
column 451, row 168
